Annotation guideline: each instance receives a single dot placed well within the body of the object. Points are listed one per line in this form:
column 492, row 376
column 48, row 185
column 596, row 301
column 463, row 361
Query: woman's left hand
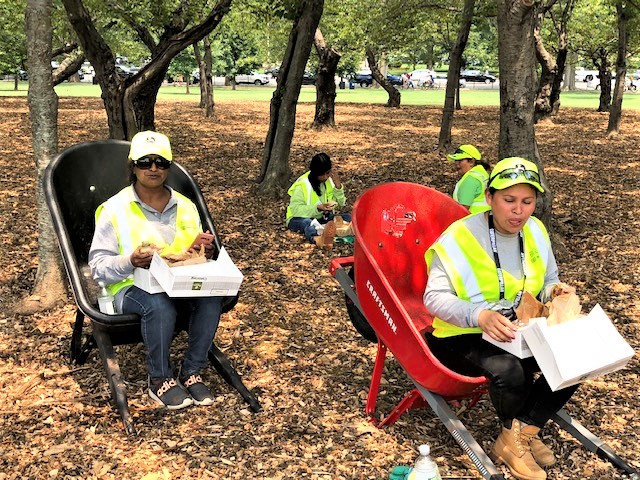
column 496, row 325
column 561, row 289
column 335, row 176
column 209, row 251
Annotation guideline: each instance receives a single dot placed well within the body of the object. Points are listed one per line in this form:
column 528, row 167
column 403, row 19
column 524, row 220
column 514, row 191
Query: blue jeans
column 303, row 225
column 158, row 313
column 514, row 390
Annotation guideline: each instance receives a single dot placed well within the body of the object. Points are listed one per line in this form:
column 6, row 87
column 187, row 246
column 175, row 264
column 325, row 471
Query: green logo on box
column 196, row 286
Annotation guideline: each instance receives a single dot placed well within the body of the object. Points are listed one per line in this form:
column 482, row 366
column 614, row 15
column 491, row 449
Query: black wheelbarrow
column 75, row 183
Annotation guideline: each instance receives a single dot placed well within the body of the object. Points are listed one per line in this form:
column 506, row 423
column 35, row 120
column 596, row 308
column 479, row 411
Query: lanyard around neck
column 494, row 247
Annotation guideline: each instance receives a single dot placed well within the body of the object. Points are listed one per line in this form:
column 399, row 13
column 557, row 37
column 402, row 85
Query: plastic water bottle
column 425, row 467
column 106, row 302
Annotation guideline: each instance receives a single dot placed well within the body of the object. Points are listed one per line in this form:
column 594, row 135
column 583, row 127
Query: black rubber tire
column 358, row 320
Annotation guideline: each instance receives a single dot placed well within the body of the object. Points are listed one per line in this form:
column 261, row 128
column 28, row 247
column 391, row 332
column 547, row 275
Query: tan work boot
column 512, row 449
column 541, row 453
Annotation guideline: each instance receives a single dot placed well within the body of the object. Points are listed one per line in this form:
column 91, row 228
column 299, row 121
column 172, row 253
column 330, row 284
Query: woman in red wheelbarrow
column 479, row 269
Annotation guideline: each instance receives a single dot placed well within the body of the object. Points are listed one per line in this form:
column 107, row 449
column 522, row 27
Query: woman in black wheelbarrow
column 144, row 217
column 478, row 270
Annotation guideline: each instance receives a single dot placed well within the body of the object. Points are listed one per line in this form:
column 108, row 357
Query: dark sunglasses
column 513, row 173
column 145, row 163
column 458, row 151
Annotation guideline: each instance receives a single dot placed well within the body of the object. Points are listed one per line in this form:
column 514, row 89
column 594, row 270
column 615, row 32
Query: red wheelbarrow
column 384, row 282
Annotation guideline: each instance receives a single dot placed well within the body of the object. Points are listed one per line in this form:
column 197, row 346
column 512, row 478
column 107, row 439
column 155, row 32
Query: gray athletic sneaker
column 199, row 392
column 169, row 393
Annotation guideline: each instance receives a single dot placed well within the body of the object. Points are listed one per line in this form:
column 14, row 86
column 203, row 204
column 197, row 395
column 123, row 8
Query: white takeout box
column 215, row 278
column 574, row 351
column 143, row 279
column 518, row 346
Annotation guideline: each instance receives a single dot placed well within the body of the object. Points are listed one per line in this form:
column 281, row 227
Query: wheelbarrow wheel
column 357, row 318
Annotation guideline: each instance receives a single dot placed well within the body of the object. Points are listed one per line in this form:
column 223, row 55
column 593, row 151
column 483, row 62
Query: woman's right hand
column 496, row 325
column 326, row 207
column 141, row 256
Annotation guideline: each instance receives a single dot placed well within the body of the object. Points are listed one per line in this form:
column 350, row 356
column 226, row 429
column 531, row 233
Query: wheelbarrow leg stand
column 411, row 400
column 459, row 432
column 224, row 368
column 116, row 380
column 79, row 352
column 593, row 443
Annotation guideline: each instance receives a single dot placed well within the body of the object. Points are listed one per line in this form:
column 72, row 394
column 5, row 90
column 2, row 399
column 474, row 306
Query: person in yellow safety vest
column 469, row 191
column 145, row 217
column 315, row 197
column 478, row 270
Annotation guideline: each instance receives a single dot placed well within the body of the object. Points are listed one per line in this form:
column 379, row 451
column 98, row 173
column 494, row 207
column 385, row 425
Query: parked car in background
column 364, row 78
column 477, row 76
column 308, row 78
column 583, row 75
column 422, row 76
column 273, row 71
column 123, row 71
column 254, row 77
column 394, row 79
column 441, row 81
column 630, row 84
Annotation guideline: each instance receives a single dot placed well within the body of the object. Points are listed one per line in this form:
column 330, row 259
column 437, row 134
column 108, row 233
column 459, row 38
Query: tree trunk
column 556, row 86
column 570, row 73
column 130, row 102
column 453, row 76
column 517, row 62
column 548, row 98
column 50, row 284
column 615, row 115
column 328, row 59
column 201, row 79
column 394, row 94
column 602, row 63
column 543, row 105
column 206, row 79
column 69, row 67
column 275, row 171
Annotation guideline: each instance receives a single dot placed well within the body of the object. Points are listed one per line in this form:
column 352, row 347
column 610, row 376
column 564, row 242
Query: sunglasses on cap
column 144, row 163
column 517, row 171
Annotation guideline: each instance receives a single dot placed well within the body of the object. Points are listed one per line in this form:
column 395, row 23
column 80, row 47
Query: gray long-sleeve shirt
column 105, row 260
column 440, row 297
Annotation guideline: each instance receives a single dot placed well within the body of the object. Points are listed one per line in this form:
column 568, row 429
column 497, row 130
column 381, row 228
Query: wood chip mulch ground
column 290, row 336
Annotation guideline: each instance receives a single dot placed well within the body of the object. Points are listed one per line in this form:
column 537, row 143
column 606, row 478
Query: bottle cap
column 424, row 450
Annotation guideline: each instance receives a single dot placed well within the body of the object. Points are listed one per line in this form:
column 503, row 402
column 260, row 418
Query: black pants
column 514, row 389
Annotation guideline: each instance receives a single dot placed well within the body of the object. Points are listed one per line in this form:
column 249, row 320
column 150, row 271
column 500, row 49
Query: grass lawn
column 470, row 96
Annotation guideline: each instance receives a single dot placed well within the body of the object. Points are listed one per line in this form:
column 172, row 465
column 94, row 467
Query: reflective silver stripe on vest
column 309, row 189
column 541, row 241
column 457, row 256
column 123, row 227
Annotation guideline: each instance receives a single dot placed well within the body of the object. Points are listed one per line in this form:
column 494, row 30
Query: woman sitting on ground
column 314, row 197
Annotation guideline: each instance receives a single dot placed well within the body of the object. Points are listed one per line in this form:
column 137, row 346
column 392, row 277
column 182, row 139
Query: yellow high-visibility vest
column 132, row 227
column 310, row 195
column 479, row 203
column 472, row 270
